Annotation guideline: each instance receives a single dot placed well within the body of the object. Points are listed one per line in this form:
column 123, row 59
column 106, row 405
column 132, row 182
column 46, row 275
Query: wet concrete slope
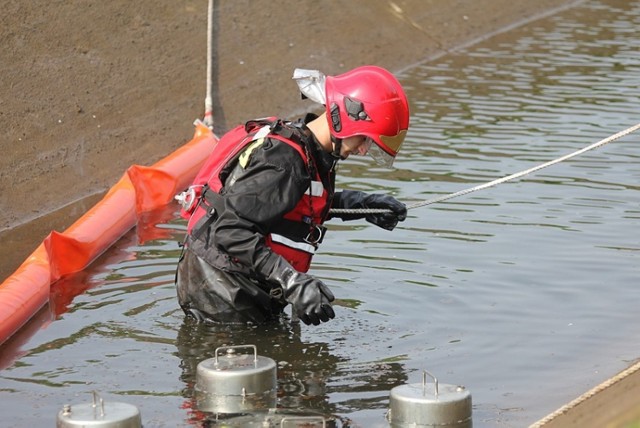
column 89, row 88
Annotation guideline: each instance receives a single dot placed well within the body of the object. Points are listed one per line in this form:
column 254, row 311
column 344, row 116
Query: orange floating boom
column 140, row 189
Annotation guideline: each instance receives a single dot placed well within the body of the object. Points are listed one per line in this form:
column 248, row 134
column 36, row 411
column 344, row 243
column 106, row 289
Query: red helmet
column 368, row 101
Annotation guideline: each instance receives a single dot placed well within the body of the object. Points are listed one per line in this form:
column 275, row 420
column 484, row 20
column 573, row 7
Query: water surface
column 525, row 293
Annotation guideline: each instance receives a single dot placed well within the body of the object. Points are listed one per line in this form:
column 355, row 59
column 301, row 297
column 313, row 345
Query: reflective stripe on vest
column 303, row 246
column 316, row 188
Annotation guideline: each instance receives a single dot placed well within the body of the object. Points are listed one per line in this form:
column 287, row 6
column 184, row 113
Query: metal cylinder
column 99, row 414
column 236, row 383
column 436, row 405
column 274, row 418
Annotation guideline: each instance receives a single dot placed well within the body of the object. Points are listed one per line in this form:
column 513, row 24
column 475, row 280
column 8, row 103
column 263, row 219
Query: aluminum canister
column 430, row 405
column 275, row 418
column 99, row 414
column 233, row 382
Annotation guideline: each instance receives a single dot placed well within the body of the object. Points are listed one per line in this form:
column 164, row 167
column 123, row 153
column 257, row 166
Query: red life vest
column 297, row 236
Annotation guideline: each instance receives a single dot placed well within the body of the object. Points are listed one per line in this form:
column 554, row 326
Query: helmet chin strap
column 337, row 147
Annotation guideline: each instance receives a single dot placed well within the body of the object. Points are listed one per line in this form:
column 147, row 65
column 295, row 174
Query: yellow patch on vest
column 243, row 160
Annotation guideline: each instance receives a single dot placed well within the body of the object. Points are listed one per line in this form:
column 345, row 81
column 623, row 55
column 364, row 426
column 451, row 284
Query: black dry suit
column 223, row 274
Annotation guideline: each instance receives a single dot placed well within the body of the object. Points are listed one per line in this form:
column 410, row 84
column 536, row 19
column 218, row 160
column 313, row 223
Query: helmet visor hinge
column 355, row 109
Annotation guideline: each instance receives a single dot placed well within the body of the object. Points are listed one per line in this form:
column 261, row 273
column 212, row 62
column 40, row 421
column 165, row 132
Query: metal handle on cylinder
column 97, row 398
column 231, row 348
column 424, row 383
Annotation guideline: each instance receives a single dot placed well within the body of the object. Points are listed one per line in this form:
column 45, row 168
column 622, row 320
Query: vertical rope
column 208, row 101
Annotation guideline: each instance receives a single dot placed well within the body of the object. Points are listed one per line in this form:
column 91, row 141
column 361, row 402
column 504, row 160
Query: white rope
column 498, row 181
column 208, row 101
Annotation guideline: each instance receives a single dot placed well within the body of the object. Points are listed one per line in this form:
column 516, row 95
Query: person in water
column 256, row 208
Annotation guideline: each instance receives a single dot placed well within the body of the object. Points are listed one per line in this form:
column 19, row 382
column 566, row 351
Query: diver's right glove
column 354, row 199
column 309, row 297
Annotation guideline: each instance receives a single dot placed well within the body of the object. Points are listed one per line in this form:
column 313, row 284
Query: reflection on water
column 308, row 371
column 524, row 293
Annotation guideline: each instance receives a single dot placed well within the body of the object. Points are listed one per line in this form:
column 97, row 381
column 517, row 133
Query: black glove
column 352, row 199
column 309, row 297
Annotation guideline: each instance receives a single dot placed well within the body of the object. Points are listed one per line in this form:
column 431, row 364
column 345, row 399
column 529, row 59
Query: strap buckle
column 315, row 235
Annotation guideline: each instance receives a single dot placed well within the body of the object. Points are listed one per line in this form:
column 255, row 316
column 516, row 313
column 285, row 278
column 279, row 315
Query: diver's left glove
column 309, row 297
column 353, row 199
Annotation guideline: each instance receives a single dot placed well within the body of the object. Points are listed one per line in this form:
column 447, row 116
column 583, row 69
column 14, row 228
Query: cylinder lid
column 236, row 374
column 433, row 404
column 99, row 414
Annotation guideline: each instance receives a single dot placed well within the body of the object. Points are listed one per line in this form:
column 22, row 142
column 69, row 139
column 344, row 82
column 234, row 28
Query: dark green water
column 525, row 293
